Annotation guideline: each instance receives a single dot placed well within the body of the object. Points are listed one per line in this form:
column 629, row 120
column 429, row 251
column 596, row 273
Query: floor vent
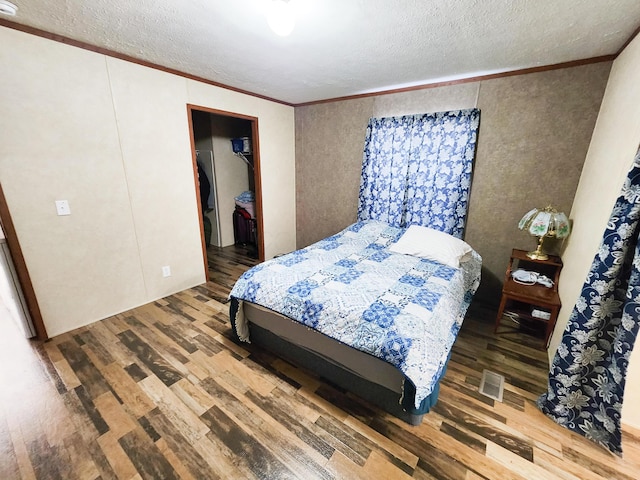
column 492, row 385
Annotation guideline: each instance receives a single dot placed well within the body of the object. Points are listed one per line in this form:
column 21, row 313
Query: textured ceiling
column 341, row 47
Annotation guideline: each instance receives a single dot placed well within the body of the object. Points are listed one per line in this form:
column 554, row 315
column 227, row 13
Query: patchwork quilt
column 403, row 309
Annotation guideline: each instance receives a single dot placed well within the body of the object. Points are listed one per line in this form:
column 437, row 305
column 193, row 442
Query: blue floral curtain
column 417, row 169
column 587, row 377
column 384, row 169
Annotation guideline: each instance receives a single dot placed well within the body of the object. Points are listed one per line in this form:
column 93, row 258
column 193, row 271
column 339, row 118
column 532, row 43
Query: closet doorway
column 226, row 164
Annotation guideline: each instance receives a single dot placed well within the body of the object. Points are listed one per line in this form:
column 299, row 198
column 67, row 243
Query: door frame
column 21, row 269
column 256, row 176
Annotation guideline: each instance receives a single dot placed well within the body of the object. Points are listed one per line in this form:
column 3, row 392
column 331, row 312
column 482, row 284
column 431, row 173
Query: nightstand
column 531, row 303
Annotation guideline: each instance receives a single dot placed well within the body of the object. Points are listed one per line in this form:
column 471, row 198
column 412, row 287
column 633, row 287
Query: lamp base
column 536, row 255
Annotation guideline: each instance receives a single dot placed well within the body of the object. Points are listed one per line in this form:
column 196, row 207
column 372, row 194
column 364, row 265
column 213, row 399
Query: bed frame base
column 380, row 396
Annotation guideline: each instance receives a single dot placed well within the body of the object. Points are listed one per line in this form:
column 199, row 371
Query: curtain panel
column 587, row 376
column 417, row 169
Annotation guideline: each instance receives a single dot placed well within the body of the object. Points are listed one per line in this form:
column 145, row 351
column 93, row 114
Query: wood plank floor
column 162, row 392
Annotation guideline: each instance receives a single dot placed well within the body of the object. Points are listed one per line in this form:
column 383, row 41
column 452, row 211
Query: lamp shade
column 547, row 222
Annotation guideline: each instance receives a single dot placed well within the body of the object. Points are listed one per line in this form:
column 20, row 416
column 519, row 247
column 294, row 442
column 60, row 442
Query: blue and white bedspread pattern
column 400, row 308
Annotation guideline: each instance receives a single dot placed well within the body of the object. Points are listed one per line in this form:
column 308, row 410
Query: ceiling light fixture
column 8, row 8
column 281, row 17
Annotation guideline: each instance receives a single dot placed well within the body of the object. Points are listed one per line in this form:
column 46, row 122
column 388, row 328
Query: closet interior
column 224, row 157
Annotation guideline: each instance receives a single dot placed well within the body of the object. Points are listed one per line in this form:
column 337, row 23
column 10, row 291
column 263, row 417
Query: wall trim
column 121, row 56
column 110, row 53
column 523, row 71
column 629, row 40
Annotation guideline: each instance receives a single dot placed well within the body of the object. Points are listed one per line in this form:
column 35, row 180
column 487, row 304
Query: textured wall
column 534, row 134
column 329, row 144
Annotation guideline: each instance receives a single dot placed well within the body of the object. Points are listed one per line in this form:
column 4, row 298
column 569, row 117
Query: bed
column 374, row 309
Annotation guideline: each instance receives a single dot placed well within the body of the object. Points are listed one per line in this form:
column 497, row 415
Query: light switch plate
column 62, row 207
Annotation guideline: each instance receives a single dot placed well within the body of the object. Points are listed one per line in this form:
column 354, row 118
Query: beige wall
column 613, row 147
column 534, row 134
column 112, row 138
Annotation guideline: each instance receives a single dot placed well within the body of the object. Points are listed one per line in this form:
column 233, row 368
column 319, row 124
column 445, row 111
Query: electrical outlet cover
column 62, row 207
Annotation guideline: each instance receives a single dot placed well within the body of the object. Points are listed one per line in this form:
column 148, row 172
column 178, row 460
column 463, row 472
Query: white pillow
column 432, row 244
